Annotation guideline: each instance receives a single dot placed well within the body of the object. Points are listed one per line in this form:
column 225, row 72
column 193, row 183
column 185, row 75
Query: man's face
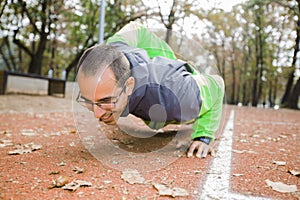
column 103, row 96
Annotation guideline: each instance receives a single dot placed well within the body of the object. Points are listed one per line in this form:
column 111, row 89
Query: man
column 137, row 73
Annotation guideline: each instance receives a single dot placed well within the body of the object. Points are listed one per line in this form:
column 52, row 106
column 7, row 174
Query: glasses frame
column 99, row 104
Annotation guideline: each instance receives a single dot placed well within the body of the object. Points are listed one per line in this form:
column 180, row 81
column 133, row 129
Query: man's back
column 163, row 83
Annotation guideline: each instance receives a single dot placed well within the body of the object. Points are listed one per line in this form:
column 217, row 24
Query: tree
column 292, row 91
column 120, row 13
column 173, row 13
column 37, row 35
column 223, row 40
column 41, row 16
column 7, row 50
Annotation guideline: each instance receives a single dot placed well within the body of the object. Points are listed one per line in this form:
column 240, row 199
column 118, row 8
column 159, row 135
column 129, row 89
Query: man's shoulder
column 134, row 55
column 160, row 60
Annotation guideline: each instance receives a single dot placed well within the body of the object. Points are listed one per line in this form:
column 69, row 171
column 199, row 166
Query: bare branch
column 3, row 7
column 20, row 44
column 160, row 14
column 25, row 10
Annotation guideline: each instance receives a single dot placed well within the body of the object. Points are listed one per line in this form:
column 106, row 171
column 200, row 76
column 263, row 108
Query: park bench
column 55, row 85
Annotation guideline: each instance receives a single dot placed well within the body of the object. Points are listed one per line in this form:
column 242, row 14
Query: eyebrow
column 105, row 99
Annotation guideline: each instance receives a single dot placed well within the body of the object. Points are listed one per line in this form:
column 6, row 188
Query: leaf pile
column 26, row 148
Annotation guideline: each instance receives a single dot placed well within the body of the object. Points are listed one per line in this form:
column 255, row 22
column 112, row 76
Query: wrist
column 203, row 139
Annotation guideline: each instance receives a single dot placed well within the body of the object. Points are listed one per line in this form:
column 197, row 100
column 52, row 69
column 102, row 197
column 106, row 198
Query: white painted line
column 217, row 184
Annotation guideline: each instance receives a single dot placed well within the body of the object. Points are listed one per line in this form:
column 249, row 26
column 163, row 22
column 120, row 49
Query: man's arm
column 212, row 92
column 136, row 35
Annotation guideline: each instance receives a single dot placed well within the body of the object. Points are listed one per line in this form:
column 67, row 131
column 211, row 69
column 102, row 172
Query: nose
column 98, row 112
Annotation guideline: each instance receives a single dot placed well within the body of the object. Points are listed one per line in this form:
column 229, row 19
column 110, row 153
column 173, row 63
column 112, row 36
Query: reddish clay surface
column 261, row 136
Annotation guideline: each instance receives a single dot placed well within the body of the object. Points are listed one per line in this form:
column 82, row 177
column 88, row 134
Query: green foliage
column 250, row 44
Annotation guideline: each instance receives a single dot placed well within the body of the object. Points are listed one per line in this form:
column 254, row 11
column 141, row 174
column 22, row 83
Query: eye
column 105, row 100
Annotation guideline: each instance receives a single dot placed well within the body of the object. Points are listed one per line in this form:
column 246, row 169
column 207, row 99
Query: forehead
column 98, row 86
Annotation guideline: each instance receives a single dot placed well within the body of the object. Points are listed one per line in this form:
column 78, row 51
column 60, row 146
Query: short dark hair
column 99, row 57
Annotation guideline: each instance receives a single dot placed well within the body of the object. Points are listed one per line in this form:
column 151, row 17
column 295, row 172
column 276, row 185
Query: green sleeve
column 136, row 35
column 211, row 93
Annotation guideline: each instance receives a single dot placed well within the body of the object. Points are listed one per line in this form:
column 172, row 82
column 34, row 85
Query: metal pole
column 101, row 21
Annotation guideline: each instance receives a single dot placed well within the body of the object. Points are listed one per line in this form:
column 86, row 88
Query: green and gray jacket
column 166, row 90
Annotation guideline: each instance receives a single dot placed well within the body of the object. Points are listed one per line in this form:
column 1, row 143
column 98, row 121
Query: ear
column 129, row 85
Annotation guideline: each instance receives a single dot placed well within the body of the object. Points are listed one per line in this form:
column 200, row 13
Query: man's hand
column 202, row 149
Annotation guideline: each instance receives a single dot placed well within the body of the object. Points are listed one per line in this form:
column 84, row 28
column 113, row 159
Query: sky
column 224, row 4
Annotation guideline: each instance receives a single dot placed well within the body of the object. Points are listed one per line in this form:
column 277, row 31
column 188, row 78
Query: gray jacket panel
column 164, row 90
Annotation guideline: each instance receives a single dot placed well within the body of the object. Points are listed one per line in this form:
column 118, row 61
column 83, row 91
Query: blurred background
column 254, row 44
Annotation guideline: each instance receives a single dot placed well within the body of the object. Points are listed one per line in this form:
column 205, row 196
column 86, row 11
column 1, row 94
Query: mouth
column 108, row 119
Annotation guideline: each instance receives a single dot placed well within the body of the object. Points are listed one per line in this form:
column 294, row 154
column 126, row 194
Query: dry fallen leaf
column 53, row 172
column 238, row 151
column 279, row 163
column 28, row 132
column 281, row 187
column 78, row 170
column 107, row 181
column 76, row 184
column 72, row 131
column 19, row 151
column 5, row 143
column 59, row 182
column 33, row 146
column 294, row 172
column 132, row 176
column 238, row 175
column 283, row 136
column 62, row 163
column 26, row 148
column 164, row 190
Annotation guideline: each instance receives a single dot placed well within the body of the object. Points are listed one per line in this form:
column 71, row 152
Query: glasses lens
column 103, row 105
column 106, row 106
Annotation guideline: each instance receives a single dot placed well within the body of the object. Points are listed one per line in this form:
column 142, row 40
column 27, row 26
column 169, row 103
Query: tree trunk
column 293, row 100
column 274, row 95
column 288, row 89
column 168, row 35
column 261, row 60
column 288, row 97
column 247, row 54
column 171, row 20
column 223, row 60
column 255, row 81
column 36, row 62
column 5, row 59
column 232, row 98
column 270, row 96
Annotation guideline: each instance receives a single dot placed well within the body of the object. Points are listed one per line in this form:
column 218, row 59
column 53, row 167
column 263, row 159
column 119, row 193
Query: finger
column 205, row 151
column 200, row 151
column 212, row 152
column 192, row 149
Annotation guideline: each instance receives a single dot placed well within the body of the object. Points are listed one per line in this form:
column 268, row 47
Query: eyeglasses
column 105, row 103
